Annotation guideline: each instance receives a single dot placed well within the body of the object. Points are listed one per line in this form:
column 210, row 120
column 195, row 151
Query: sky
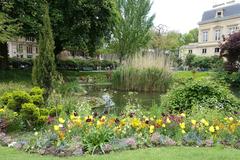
column 181, row 15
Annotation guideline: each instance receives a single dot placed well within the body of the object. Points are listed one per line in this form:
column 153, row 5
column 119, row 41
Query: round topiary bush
column 199, row 93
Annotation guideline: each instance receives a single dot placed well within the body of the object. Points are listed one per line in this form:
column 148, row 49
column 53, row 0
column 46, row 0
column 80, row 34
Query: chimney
column 230, row 2
column 218, row 5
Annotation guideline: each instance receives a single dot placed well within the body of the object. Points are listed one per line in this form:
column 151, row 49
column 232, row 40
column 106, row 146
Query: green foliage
column 70, row 88
column 10, row 118
column 30, row 113
column 92, row 64
column 95, row 138
column 29, row 106
column 190, row 37
column 132, row 31
column 14, row 100
column 148, row 79
column 44, row 69
column 213, row 62
column 86, row 32
column 233, row 79
column 210, row 114
column 8, row 28
column 83, row 32
column 200, row 93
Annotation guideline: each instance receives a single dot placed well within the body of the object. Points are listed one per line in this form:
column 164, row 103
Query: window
column 205, row 36
column 20, row 48
column 217, row 50
column 217, row 35
column 219, row 14
column 190, row 51
column 30, row 39
column 233, row 29
column 29, row 49
column 204, row 50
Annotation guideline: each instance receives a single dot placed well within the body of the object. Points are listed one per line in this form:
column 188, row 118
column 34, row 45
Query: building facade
column 216, row 24
column 23, row 48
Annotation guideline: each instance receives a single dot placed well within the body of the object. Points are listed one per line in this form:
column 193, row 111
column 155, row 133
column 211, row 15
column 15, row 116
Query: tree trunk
column 3, row 55
column 58, row 47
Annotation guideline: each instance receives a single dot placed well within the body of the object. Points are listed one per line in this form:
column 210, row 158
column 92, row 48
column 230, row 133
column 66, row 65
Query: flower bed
column 102, row 134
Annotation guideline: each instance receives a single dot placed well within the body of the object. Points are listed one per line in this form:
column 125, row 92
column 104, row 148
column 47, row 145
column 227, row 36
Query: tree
column 230, row 49
column 167, row 43
column 44, row 69
column 7, row 30
column 190, row 37
column 82, row 24
column 77, row 24
column 132, row 32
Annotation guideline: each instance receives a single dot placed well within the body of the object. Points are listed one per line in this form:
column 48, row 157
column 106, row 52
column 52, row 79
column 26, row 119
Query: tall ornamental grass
column 148, row 73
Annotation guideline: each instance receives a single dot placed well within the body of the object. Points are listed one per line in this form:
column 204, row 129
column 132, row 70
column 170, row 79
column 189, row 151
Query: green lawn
column 190, row 74
column 166, row 153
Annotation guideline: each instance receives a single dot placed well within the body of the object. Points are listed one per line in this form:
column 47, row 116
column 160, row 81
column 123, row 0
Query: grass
column 190, row 74
column 166, row 153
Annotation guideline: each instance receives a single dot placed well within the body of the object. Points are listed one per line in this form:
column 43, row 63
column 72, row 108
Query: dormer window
column 219, row 14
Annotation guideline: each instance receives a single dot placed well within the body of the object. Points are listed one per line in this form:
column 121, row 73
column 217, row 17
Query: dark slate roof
column 228, row 11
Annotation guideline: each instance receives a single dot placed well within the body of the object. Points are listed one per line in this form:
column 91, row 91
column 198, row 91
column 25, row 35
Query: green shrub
column 233, row 79
column 70, row 88
column 214, row 62
column 29, row 106
column 146, row 79
column 199, row 93
column 95, row 138
column 14, row 100
column 8, row 119
column 87, row 64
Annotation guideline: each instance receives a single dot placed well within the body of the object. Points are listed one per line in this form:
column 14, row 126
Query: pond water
column 121, row 98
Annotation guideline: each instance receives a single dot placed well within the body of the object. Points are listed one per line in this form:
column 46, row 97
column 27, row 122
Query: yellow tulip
column 193, row 122
column 72, row 117
column 61, row 120
column 151, row 130
column 230, row 119
column 217, row 128
column 183, row 114
column 204, row 122
column 1, row 110
column 211, row 129
column 182, row 125
column 168, row 120
column 56, row 127
column 163, row 125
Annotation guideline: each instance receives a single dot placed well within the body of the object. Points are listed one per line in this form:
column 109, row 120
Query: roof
column 228, row 11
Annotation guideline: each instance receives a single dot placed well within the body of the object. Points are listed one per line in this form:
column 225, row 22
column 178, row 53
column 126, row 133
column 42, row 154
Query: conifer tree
column 44, row 69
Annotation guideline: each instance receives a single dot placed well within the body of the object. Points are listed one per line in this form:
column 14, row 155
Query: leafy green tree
column 77, row 24
column 82, row 24
column 132, row 31
column 7, row 31
column 190, row 37
column 44, row 69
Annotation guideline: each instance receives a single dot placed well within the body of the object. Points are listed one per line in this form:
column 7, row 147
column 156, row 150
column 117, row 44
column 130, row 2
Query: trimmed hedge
column 86, row 65
column 214, row 62
column 75, row 64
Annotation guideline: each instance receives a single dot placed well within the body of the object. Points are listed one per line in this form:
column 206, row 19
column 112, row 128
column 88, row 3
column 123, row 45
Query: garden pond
column 117, row 100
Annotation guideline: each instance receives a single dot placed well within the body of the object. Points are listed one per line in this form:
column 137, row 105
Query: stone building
column 23, row 48
column 215, row 25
